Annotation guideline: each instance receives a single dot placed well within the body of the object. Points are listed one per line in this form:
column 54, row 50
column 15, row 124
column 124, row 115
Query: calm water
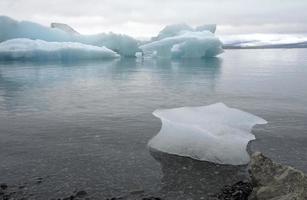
column 86, row 125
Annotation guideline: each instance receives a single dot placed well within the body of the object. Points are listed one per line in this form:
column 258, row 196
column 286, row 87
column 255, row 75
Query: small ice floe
column 214, row 133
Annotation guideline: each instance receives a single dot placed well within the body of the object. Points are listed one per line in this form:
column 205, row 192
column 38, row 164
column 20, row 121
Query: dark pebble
column 238, row 191
column 5, row 197
column 81, row 193
column 152, row 198
column 3, row 186
column 21, row 187
column 115, row 198
column 69, row 198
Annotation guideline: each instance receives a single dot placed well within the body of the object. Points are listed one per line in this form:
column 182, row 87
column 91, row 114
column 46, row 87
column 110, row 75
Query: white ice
column 12, row 29
column 27, row 49
column 172, row 30
column 214, row 133
column 185, row 44
column 176, row 29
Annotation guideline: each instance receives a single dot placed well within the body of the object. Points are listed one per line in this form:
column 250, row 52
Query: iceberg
column 214, row 133
column 27, row 49
column 186, row 44
column 12, row 29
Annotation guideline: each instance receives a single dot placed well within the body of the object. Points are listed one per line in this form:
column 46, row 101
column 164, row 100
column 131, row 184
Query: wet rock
column 21, row 187
column 238, row 191
column 273, row 181
column 3, row 186
column 151, row 198
column 6, row 197
column 69, row 198
column 81, row 193
column 115, row 198
column 39, row 180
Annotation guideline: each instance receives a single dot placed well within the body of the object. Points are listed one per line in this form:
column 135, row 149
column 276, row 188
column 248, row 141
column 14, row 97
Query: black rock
column 3, row 186
column 21, row 186
column 6, row 197
column 81, row 193
column 151, row 198
column 115, row 198
column 69, row 198
column 239, row 191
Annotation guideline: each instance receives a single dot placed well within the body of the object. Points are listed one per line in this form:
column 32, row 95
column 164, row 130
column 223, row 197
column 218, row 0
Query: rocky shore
column 268, row 181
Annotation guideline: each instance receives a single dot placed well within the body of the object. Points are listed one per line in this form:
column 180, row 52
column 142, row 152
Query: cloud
column 147, row 17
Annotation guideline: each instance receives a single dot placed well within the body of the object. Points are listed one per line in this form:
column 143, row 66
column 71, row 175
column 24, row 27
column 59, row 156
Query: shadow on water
column 183, row 177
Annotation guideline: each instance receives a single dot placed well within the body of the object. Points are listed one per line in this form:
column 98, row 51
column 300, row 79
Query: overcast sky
column 144, row 18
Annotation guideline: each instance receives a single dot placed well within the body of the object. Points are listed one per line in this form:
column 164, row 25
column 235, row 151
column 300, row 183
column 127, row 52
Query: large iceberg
column 27, row 49
column 214, row 133
column 185, row 44
column 11, row 29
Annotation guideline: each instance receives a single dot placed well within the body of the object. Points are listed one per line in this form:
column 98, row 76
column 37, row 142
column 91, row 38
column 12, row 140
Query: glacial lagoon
column 85, row 125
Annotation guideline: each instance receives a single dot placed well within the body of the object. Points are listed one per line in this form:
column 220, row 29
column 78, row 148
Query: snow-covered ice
column 27, row 49
column 214, row 133
column 176, row 29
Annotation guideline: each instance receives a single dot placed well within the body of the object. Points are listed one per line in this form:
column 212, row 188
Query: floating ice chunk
column 12, row 29
column 27, row 49
column 214, row 133
column 186, row 44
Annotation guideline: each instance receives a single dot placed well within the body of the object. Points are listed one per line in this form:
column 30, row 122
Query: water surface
column 86, row 125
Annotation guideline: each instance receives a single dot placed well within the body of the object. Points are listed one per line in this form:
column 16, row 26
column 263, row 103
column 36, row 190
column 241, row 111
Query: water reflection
column 22, row 83
column 185, row 178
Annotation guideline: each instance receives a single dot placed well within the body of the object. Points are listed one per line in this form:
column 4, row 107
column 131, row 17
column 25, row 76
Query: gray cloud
column 147, row 17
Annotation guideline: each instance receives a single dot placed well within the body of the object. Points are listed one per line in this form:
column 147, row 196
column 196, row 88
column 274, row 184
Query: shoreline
column 267, row 180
